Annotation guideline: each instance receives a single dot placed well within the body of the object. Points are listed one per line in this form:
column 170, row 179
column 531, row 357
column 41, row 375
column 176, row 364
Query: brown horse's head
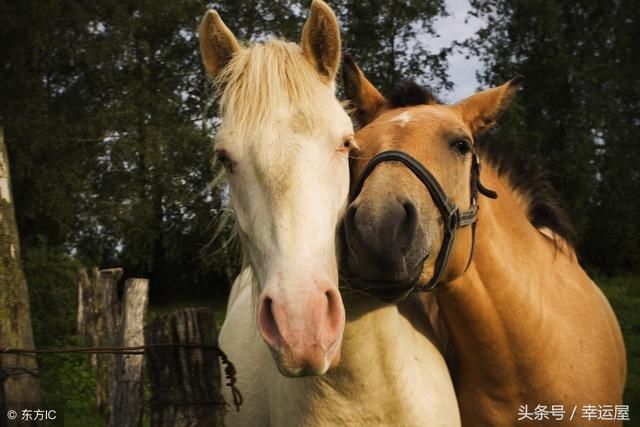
column 393, row 229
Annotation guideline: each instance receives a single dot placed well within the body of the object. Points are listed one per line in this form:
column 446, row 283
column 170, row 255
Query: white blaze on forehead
column 403, row 118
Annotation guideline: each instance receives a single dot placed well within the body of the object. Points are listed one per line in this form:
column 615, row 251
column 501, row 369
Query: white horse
column 284, row 141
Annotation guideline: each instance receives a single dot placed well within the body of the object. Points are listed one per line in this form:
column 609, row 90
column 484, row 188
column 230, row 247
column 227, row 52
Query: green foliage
column 624, row 294
column 578, row 112
column 389, row 40
column 68, row 382
column 107, row 122
column 53, row 288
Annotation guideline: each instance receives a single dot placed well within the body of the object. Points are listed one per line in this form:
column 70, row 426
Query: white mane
column 265, row 78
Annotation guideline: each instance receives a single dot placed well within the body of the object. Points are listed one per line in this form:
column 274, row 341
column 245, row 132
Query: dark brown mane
column 408, row 93
column 526, row 176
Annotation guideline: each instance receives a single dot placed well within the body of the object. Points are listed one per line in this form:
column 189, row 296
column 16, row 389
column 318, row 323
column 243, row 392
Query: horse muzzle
column 303, row 328
column 383, row 257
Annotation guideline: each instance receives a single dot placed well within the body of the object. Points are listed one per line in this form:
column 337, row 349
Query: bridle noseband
column 452, row 217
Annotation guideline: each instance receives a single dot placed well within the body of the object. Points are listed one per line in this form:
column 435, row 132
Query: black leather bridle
column 452, row 217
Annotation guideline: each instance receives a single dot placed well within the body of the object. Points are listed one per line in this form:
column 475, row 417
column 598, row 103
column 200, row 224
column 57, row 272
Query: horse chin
column 292, row 369
column 388, row 283
column 390, row 291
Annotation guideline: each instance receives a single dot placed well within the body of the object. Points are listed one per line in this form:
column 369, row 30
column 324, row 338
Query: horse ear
column 481, row 111
column 365, row 98
column 217, row 43
column 321, row 40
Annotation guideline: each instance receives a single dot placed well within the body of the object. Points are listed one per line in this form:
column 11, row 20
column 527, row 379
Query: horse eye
column 348, row 145
column 223, row 157
column 462, row 146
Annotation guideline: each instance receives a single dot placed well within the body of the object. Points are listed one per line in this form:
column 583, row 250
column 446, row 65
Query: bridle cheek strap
column 452, row 218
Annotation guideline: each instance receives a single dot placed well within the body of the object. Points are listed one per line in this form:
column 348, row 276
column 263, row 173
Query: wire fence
column 229, row 369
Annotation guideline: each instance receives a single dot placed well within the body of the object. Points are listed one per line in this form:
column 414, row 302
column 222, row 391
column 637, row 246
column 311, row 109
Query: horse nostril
column 268, row 321
column 350, row 218
column 352, row 231
column 334, row 308
column 409, row 225
column 411, row 219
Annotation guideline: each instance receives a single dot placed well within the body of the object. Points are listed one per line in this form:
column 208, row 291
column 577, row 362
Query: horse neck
column 376, row 339
column 495, row 308
column 377, row 333
column 388, row 357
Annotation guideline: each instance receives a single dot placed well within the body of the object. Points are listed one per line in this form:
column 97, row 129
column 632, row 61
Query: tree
column 113, row 165
column 22, row 384
column 152, row 206
column 389, row 40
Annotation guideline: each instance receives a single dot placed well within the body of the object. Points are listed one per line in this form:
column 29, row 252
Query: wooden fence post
column 99, row 339
column 185, row 382
column 85, row 313
column 128, row 404
column 81, row 327
column 111, row 313
column 99, row 322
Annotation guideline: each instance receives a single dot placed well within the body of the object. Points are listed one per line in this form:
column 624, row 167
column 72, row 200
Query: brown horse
column 526, row 324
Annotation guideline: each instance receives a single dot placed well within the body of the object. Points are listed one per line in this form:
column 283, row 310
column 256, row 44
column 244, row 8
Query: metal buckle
column 453, row 220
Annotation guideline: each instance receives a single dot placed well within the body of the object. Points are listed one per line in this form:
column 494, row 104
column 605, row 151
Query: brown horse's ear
column 366, row 99
column 481, row 111
column 217, row 43
column 321, row 40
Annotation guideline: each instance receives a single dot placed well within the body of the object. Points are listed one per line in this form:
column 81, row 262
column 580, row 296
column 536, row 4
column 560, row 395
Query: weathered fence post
column 89, row 327
column 111, row 313
column 128, row 404
column 98, row 322
column 81, row 327
column 15, row 315
column 185, row 382
column 85, row 312
column 99, row 339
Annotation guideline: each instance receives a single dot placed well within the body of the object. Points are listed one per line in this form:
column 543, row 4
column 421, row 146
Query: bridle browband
column 452, row 217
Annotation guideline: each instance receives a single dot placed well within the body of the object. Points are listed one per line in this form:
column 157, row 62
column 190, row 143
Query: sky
column 462, row 71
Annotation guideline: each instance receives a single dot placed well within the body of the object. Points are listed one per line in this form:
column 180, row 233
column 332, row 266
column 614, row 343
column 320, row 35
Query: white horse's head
column 284, row 140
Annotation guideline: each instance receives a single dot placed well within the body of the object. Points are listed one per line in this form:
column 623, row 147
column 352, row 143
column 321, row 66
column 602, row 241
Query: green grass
column 624, row 295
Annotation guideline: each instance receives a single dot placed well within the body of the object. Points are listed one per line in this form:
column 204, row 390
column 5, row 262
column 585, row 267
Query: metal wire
column 229, row 370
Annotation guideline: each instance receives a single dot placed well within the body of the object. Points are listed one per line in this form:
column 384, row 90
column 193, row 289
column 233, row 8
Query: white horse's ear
column 321, row 40
column 217, row 43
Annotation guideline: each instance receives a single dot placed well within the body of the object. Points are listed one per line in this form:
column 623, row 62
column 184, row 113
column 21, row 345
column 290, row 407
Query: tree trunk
column 15, row 315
